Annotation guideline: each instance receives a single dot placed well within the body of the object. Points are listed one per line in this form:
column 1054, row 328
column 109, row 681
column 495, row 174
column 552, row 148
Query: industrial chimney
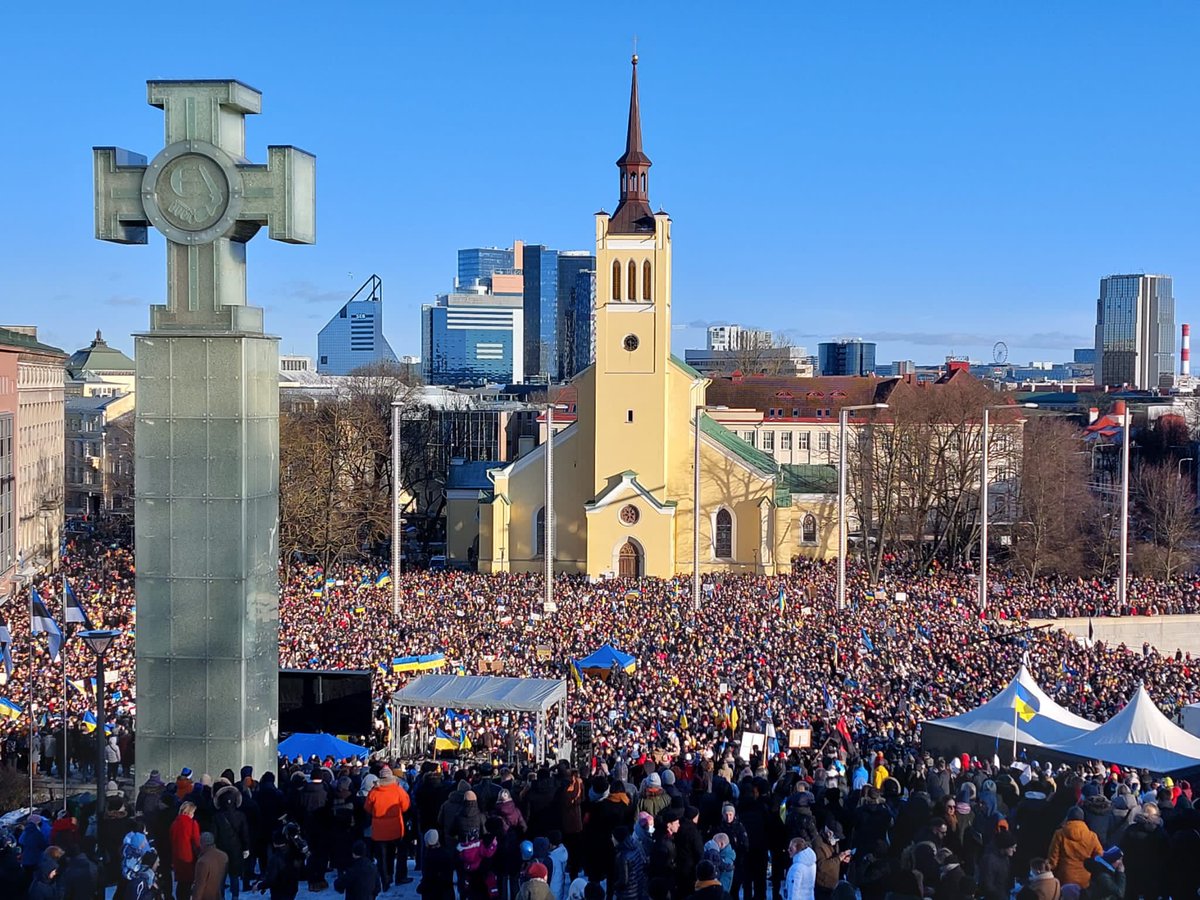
column 1185, row 352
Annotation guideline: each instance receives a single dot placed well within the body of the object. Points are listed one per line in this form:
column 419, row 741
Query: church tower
column 633, row 324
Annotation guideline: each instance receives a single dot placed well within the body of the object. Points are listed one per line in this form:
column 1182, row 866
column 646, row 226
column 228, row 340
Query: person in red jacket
column 386, row 804
column 185, row 845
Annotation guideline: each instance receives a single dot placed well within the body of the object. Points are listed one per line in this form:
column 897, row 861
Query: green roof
column 99, row 357
column 695, row 373
column 763, row 463
column 808, row 479
column 20, row 339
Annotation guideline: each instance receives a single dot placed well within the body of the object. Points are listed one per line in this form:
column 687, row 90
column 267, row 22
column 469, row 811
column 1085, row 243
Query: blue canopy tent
column 321, row 746
column 604, row 660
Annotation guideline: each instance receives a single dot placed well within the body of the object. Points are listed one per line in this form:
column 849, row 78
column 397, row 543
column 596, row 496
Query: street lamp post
column 98, row 641
column 548, row 537
column 843, row 415
column 984, row 478
column 397, row 522
column 1126, row 421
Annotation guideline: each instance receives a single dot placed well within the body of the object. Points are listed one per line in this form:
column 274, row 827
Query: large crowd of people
column 764, row 650
column 666, row 804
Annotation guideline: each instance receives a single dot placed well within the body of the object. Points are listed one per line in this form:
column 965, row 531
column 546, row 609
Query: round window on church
column 630, row 343
column 630, row 515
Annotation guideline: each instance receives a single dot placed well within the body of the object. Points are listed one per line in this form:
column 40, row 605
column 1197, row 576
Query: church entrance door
column 631, row 561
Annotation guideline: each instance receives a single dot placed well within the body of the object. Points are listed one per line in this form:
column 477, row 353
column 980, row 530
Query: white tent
column 1140, row 736
column 989, row 727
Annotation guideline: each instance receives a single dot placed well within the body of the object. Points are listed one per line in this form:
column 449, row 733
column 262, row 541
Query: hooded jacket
column 629, row 871
column 1069, row 848
column 386, row 805
column 801, row 876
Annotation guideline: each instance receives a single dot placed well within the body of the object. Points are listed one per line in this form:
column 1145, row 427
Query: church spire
column 633, row 213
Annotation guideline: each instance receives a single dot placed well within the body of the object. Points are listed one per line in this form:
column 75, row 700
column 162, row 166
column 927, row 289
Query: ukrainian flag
column 9, row 709
column 89, row 722
column 782, row 601
column 443, row 741
column 576, row 676
column 633, row 594
column 384, row 579
column 733, row 716
column 418, row 663
column 1026, row 705
column 683, row 721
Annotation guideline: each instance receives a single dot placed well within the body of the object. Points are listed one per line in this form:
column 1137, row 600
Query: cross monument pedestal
column 206, row 480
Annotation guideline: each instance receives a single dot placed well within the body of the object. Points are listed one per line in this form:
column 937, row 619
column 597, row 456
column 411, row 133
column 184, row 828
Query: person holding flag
column 41, row 622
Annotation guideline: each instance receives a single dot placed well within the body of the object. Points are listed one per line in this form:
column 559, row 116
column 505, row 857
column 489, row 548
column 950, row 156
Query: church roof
column 633, row 214
column 808, row 479
column 99, row 357
column 471, row 475
column 22, row 341
column 689, row 370
column 761, row 462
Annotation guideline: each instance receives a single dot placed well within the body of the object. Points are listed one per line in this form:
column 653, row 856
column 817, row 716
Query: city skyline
column 933, row 199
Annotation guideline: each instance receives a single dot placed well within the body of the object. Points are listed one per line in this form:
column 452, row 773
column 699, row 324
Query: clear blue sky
column 934, row 176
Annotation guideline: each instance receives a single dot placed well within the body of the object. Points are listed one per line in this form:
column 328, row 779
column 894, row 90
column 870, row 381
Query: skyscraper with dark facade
column 576, row 290
column 848, row 357
column 549, row 281
column 1135, row 331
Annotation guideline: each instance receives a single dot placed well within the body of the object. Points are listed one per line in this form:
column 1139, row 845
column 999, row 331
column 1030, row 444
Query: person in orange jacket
column 387, row 803
column 1070, row 847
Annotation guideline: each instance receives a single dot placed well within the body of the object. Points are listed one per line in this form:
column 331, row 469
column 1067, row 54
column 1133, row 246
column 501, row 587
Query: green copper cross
column 207, row 199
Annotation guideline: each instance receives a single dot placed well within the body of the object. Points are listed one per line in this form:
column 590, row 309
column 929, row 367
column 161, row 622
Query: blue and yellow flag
column 9, row 709
column 683, row 721
column 782, row 601
column 576, row 676
column 89, row 722
column 1026, row 705
column 733, row 716
column 384, row 579
column 443, row 741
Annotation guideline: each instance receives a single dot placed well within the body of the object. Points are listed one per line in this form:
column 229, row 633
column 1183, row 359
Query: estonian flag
column 9, row 710
column 1026, row 705
column 74, row 613
column 43, row 622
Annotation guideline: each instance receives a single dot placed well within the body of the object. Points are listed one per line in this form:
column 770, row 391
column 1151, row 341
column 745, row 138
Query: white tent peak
column 1140, row 736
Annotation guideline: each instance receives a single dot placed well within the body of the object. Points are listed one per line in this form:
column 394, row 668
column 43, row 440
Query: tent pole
column 1014, row 733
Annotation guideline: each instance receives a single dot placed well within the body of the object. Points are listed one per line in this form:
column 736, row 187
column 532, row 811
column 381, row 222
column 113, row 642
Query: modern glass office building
column 354, row 337
column 850, row 357
column 1135, row 331
column 477, row 265
column 576, row 305
column 472, row 339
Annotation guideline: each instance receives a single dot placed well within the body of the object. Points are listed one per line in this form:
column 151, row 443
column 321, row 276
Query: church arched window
column 633, row 280
column 723, row 535
column 539, row 537
column 616, row 280
column 643, row 182
column 808, row 529
column 647, row 281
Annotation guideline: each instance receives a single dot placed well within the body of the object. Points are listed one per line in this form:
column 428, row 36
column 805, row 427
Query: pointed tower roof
column 633, row 213
column 101, row 358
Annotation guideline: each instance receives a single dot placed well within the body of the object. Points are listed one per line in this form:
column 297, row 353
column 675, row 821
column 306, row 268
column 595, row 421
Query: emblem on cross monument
column 207, row 199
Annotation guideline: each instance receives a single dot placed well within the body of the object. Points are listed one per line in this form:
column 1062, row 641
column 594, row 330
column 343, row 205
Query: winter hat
column 155, row 777
column 1091, row 789
column 537, row 870
column 247, row 772
column 966, row 793
column 431, row 838
column 652, row 780
column 668, row 777
column 112, row 790
column 206, row 780
column 706, row 871
column 185, row 772
column 1122, row 801
column 541, row 847
column 1075, row 814
column 1005, row 840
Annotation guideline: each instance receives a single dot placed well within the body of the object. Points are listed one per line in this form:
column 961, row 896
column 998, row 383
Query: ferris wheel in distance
column 1000, row 353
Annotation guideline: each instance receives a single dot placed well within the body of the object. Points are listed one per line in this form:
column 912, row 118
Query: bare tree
column 757, row 353
column 1056, row 508
column 1165, row 505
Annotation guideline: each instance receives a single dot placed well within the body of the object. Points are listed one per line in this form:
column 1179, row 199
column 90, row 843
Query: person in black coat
column 232, row 834
column 80, row 879
column 281, row 875
column 628, row 880
column 662, row 873
column 689, row 850
column 706, row 886
column 437, row 871
column 361, row 879
column 753, row 813
column 1146, row 848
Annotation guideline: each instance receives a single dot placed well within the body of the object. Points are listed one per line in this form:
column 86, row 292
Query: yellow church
column 623, row 472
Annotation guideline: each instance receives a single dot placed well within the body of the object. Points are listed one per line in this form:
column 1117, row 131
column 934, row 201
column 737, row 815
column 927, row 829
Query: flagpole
column 66, row 631
column 29, row 705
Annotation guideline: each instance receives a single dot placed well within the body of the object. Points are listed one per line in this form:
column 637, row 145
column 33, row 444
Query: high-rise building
column 846, row 357
column 472, row 339
column 539, row 270
column 576, row 288
column 1135, row 331
column 354, row 337
column 477, row 265
column 735, row 337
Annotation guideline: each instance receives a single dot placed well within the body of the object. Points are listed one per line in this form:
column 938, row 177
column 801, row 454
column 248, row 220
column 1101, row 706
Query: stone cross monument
column 206, row 482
